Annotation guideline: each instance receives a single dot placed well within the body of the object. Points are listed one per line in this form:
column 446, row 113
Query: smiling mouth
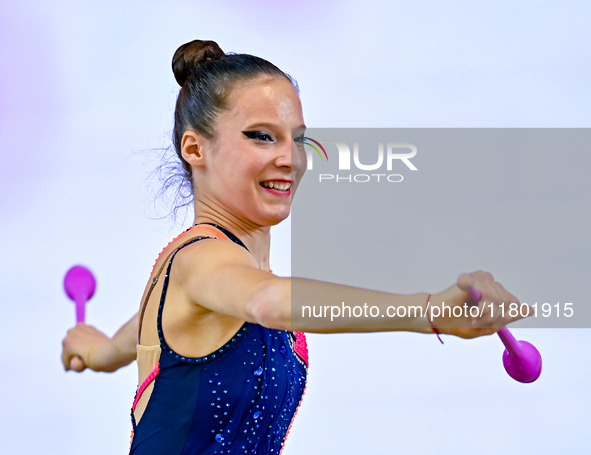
column 276, row 185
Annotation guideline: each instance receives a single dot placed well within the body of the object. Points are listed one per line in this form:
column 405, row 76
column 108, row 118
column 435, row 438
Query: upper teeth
column 281, row 186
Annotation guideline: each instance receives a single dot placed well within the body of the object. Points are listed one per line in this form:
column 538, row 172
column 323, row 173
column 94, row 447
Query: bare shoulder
column 218, row 275
column 179, row 241
column 211, row 254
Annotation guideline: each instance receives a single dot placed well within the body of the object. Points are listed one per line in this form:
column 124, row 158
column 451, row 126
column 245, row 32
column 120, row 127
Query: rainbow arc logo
column 311, row 144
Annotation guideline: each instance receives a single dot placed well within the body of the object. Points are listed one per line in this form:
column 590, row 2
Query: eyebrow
column 273, row 125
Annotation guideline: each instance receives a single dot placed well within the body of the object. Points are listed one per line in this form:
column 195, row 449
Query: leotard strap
column 228, row 236
column 226, row 232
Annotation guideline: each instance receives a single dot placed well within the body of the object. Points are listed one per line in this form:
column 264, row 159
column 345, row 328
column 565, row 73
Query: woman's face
column 256, row 161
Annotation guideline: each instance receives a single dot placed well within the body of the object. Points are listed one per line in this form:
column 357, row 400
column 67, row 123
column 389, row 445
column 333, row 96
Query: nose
column 283, row 154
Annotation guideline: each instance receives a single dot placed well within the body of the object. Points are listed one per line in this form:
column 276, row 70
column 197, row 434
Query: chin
column 273, row 219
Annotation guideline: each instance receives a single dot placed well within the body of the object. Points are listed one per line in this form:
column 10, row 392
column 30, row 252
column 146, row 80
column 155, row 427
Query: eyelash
column 258, row 135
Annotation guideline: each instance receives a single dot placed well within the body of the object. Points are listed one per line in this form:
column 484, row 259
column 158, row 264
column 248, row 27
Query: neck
column 257, row 238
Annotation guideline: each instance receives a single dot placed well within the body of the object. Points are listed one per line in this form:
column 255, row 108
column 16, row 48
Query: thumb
column 465, row 282
column 77, row 364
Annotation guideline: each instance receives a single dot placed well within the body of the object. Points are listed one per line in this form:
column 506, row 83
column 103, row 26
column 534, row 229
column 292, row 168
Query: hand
column 78, row 346
column 473, row 319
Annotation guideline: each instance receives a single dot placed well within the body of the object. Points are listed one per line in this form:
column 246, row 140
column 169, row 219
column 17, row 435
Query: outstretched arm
column 86, row 347
column 205, row 270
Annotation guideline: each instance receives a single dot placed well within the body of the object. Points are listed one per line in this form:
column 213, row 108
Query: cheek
column 241, row 168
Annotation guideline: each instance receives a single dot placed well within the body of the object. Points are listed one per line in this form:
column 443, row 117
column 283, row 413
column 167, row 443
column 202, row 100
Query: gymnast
column 222, row 361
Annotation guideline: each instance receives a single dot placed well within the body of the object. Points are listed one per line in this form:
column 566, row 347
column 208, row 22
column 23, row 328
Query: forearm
column 117, row 351
column 321, row 307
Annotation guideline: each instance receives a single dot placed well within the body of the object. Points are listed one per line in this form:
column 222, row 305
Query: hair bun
column 190, row 56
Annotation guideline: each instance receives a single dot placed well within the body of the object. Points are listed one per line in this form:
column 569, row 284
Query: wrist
column 97, row 356
column 90, row 358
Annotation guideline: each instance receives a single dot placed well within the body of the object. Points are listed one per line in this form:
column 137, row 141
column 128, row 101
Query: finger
column 66, row 357
column 512, row 307
column 77, row 364
column 522, row 313
column 465, row 282
column 486, row 304
column 506, row 295
column 501, row 309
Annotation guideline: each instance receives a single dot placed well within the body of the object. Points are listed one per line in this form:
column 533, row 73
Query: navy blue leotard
column 240, row 399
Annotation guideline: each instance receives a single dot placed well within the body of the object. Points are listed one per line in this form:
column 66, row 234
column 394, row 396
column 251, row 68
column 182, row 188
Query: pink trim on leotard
column 300, row 346
column 145, row 384
column 200, row 226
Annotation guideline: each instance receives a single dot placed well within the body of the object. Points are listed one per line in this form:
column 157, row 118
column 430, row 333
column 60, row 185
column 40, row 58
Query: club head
column 79, row 283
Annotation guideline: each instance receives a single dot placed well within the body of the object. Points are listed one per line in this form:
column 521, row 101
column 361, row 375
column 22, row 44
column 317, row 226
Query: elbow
column 271, row 304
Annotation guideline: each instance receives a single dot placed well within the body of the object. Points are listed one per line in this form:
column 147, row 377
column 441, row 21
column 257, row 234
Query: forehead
column 264, row 100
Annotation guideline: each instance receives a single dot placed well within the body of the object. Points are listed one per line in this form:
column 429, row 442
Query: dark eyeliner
column 258, row 135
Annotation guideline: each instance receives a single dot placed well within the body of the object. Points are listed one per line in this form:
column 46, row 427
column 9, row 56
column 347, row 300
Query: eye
column 300, row 139
column 258, row 135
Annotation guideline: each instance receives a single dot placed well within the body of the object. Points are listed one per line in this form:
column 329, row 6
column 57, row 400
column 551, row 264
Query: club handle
column 509, row 341
column 80, row 310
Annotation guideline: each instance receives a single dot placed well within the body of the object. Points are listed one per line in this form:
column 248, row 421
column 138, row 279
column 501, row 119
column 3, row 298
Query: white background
column 86, row 98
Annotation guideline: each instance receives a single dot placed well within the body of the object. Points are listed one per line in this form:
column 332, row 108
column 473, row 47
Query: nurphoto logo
column 393, row 152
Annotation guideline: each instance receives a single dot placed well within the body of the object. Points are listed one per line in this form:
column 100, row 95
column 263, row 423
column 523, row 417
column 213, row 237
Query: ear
column 192, row 148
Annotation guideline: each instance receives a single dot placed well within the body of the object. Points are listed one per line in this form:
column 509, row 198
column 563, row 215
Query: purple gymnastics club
column 79, row 285
column 521, row 359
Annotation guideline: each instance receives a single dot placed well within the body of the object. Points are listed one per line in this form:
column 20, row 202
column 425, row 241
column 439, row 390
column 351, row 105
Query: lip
column 273, row 190
column 277, row 192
